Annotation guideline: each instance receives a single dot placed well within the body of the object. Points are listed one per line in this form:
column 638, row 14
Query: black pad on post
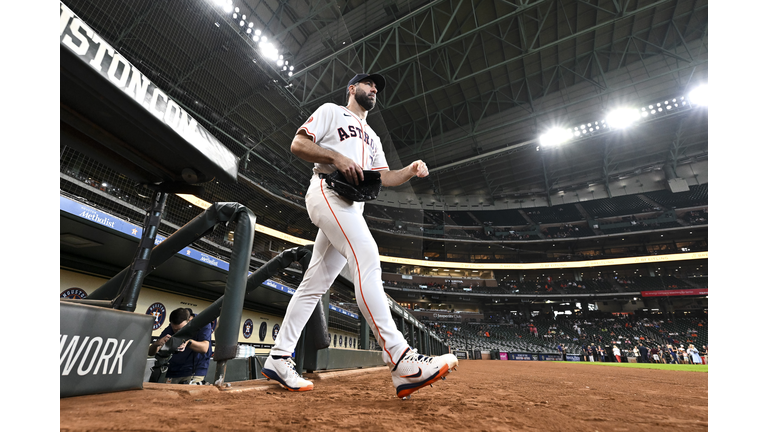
column 101, row 350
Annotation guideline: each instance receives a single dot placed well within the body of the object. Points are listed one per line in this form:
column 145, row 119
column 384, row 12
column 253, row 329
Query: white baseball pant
column 343, row 238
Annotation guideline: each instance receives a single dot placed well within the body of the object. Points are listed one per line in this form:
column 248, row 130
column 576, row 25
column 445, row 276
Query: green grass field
column 682, row 367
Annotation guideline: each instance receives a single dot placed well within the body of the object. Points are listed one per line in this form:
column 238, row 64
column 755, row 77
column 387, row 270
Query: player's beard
column 365, row 101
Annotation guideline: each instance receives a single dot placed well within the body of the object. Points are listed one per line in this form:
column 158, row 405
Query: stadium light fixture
column 555, row 137
column 699, row 95
column 622, row 118
column 267, row 49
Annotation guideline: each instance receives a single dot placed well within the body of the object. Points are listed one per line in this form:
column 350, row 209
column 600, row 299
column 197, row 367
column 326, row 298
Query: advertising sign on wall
column 518, row 356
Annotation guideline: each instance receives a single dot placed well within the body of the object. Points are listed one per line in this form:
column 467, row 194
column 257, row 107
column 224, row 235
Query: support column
column 131, row 286
column 365, row 342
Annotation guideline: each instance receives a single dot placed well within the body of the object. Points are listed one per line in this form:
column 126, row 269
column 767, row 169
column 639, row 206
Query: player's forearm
column 306, row 149
column 396, row 178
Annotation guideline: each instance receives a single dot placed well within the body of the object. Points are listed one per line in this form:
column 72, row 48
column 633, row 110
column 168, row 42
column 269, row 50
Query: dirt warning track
column 483, row 395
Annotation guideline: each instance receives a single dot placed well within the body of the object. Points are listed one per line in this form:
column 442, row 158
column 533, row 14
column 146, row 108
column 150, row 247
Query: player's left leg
column 345, row 227
column 351, row 236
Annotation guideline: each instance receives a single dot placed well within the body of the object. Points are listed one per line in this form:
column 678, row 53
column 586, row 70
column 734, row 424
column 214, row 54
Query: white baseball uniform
column 343, row 236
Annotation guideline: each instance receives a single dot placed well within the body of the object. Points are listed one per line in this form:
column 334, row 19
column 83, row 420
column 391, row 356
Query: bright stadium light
column 555, row 137
column 622, row 118
column 269, row 51
column 699, row 95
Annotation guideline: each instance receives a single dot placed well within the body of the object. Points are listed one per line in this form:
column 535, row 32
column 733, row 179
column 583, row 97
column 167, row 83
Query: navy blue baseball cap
column 377, row 79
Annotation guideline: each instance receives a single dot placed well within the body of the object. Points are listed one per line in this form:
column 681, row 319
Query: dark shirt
column 190, row 363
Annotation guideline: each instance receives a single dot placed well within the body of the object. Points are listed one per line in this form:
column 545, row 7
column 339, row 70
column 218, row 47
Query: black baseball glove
column 366, row 190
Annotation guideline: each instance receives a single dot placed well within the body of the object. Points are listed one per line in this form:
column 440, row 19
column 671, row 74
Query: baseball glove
column 366, row 190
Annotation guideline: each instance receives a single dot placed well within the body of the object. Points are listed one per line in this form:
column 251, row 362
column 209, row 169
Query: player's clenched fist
column 419, row 169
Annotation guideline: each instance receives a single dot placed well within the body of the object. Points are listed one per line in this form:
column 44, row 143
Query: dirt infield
column 483, row 395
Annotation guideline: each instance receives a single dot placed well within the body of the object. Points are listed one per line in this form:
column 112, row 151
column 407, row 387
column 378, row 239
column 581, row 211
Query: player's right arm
column 305, row 148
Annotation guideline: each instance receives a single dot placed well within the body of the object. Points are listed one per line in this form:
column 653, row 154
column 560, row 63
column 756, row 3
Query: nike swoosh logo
column 347, row 115
column 416, row 375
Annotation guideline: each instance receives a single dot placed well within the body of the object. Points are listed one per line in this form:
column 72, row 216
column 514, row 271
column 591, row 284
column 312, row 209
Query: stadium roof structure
column 471, row 84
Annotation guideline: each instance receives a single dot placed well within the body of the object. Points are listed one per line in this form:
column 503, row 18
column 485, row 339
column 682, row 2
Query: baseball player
column 339, row 138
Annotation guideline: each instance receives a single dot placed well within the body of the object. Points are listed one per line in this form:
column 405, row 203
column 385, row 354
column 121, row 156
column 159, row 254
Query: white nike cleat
column 414, row 371
column 283, row 371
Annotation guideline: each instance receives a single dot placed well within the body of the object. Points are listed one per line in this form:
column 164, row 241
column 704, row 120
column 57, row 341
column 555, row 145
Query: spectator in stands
column 672, row 354
column 655, row 354
column 189, row 364
column 643, row 353
column 693, row 354
column 617, row 353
